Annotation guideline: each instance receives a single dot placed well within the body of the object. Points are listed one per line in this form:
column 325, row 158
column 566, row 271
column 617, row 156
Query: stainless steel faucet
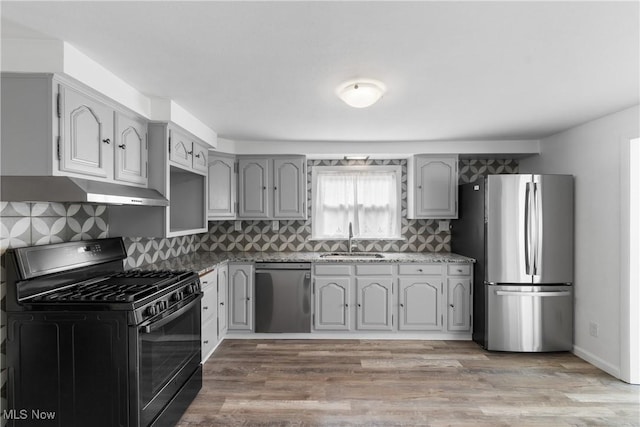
column 350, row 237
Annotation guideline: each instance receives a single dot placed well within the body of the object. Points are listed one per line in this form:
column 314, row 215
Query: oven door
column 168, row 351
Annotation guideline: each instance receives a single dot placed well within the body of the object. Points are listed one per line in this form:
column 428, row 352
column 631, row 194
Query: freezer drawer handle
column 534, row 294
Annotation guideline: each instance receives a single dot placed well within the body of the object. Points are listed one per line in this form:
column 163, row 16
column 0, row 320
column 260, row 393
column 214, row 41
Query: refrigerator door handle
column 538, row 230
column 534, row 294
column 527, row 228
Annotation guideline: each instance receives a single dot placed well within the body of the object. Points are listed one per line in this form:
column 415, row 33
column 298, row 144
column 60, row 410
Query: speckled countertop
column 203, row 262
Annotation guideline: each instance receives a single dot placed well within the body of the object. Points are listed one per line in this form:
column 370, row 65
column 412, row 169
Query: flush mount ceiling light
column 361, row 93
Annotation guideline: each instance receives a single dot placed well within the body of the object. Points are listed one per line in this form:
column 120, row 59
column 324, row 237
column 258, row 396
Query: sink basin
column 339, row 255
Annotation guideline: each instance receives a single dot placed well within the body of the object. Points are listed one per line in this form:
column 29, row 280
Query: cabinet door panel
column 253, row 179
column 437, row 187
column 332, row 296
column 181, row 148
column 131, row 150
column 86, row 133
column 223, row 284
column 374, row 299
column 289, row 188
column 222, row 187
column 458, row 304
column 200, row 157
column 419, row 304
column 241, row 297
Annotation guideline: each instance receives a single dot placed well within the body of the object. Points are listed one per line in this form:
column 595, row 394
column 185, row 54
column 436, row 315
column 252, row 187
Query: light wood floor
column 403, row 383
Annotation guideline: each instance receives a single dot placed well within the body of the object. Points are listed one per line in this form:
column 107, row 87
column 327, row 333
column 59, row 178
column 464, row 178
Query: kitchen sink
column 339, row 255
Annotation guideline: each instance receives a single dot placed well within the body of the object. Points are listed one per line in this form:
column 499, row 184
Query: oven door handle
column 153, row 326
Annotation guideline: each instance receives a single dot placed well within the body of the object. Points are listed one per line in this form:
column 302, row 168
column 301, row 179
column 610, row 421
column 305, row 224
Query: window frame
column 318, row 170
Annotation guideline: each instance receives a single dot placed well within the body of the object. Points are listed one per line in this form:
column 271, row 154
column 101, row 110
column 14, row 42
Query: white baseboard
column 437, row 336
column 597, row 362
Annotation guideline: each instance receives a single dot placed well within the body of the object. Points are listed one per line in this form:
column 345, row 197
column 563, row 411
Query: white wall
column 592, row 153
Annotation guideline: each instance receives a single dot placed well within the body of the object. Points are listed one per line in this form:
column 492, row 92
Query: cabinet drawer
column 209, row 337
column 459, row 270
column 209, row 279
column 208, row 305
column 420, row 269
column 332, row 269
column 374, row 269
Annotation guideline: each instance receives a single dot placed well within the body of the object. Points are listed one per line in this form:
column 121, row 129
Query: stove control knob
column 150, row 311
column 177, row 296
column 189, row 289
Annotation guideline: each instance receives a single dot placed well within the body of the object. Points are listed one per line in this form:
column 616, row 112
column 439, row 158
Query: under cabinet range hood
column 67, row 189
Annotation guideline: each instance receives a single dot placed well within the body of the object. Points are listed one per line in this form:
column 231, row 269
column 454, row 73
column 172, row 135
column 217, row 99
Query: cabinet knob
column 122, row 146
column 206, row 341
column 346, row 305
column 205, row 308
column 106, row 141
column 451, row 305
column 359, row 305
column 264, row 188
column 420, row 186
column 248, row 299
column 190, row 153
column 275, row 188
column 197, row 156
column 401, row 305
column 420, row 270
column 221, row 303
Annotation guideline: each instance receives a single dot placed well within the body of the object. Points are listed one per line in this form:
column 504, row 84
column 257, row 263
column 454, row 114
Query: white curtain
column 369, row 200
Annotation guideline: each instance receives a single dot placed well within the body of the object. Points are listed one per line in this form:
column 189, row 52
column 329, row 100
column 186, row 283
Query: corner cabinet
column 240, row 294
column 221, row 187
column 53, row 125
column 432, row 187
column 272, row 187
column 182, row 182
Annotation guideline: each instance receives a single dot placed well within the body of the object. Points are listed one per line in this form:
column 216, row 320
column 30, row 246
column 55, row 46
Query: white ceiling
column 268, row 70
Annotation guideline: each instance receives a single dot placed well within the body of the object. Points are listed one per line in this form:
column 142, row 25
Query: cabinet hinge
column 59, row 112
column 58, row 148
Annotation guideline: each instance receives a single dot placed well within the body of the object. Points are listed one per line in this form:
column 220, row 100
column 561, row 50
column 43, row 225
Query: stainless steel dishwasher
column 283, row 297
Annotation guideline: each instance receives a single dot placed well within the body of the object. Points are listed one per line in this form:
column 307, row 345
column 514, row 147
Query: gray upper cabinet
column 187, row 152
column 289, row 187
column 254, row 183
column 86, row 134
column 131, row 150
column 272, row 187
column 432, row 187
column 221, row 187
column 53, row 125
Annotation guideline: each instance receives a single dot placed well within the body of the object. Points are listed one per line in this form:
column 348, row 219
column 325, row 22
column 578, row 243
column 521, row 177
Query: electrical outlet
column 593, row 329
column 443, row 226
column 275, row 225
column 237, row 225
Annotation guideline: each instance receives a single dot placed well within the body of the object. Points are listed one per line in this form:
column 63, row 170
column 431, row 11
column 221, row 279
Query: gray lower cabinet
column 223, row 286
column 241, row 297
column 331, row 308
column 209, row 314
column 221, row 187
column 459, row 297
column 374, row 303
column 419, row 300
column 272, row 187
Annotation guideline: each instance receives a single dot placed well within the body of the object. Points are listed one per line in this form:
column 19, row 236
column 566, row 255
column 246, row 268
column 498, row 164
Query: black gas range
column 92, row 344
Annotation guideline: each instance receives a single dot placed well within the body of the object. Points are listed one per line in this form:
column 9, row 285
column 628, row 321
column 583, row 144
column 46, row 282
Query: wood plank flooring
column 403, row 383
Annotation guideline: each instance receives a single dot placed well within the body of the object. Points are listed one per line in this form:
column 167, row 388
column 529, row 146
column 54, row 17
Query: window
column 366, row 196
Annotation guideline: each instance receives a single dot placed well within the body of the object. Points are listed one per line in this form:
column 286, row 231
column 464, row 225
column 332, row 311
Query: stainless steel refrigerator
column 519, row 228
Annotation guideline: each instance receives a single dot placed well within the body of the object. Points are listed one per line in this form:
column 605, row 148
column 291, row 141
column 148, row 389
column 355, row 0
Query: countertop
column 202, row 262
